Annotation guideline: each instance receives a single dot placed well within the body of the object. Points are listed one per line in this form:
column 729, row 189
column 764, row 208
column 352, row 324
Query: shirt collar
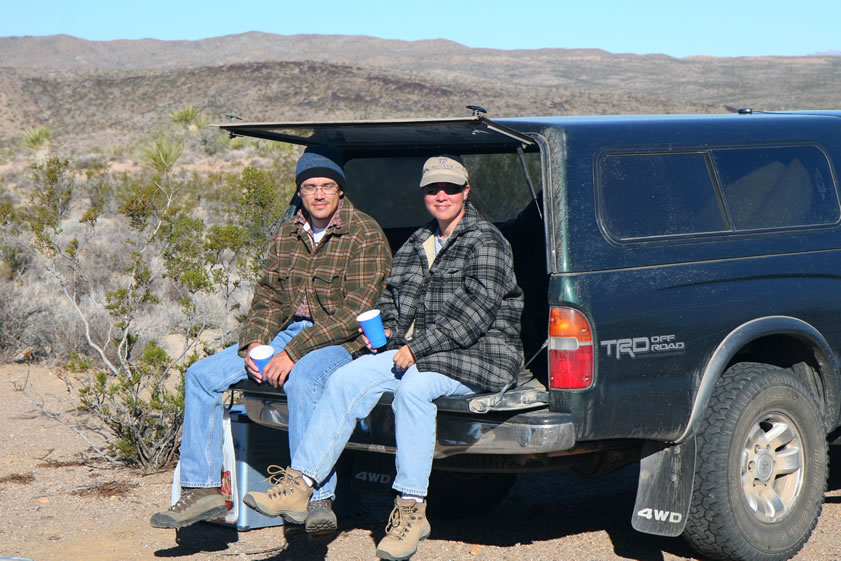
column 335, row 221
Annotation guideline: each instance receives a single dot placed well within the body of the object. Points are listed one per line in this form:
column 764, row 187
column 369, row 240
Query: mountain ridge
column 120, row 90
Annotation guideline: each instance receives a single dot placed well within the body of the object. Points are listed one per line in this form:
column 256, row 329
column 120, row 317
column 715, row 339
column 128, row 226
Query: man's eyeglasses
column 308, row 189
column 449, row 188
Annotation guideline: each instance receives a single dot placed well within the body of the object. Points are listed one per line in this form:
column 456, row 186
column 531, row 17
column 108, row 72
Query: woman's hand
column 404, row 358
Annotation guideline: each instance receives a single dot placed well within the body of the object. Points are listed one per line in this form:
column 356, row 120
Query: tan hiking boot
column 406, row 527
column 195, row 505
column 288, row 497
column 321, row 519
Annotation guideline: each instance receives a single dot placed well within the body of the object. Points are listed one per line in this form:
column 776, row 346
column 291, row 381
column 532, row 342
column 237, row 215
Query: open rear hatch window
column 473, row 135
column 383, row 163
column 389, row 155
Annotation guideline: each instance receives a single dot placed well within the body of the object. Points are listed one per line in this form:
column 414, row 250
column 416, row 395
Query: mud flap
column 664, row 492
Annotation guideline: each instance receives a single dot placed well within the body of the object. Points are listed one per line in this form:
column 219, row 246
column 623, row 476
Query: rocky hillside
column 94, row 93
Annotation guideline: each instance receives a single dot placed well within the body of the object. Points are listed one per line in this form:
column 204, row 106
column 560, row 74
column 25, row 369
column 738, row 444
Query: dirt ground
column 62, row 504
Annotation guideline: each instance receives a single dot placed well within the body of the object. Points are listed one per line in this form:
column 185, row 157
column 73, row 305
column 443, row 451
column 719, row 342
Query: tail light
column 570, row 350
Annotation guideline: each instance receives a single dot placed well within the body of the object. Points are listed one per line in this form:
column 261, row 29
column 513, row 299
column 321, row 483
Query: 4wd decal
column 636, row 346
column 660, row 515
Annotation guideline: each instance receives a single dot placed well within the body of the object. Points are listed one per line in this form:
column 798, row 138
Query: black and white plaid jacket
column 466, row 308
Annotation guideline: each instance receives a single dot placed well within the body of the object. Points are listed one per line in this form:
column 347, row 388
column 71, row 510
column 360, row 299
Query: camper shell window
column 667, row 194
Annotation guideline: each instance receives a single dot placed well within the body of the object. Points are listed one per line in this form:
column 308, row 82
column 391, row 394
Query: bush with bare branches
column 119, row 274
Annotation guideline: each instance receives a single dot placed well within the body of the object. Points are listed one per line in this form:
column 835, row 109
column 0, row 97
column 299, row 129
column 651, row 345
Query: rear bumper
column 532, row 432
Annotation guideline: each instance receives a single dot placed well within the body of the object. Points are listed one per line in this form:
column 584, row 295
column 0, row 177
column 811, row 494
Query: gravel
column 61, row 503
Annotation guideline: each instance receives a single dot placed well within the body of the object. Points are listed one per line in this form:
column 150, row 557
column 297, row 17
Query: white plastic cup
column 261, row 355
column 372, row 327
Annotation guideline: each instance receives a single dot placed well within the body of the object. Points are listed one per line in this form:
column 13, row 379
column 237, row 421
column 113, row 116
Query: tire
column 457, row 495
column 761, row 467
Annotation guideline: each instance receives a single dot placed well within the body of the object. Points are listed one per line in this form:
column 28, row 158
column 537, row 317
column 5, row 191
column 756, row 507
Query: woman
column 452, row 311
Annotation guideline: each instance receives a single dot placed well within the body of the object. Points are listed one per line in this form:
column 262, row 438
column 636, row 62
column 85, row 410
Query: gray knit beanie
column 320, row 161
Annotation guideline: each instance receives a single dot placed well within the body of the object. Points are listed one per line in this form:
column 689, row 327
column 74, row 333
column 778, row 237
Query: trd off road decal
column 636, row 346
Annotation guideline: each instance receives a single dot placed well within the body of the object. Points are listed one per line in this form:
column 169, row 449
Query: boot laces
column 189, row 496
column 183, row 503
column 400, row 520
column 281, row 481
column 326, row 504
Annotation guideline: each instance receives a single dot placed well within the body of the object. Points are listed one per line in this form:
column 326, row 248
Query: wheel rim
column 772, row 467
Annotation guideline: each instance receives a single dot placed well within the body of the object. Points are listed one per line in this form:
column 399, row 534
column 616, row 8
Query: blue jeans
column 209, row 378
column 350, row 395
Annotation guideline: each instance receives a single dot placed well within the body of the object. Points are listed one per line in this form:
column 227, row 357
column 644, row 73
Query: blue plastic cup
column 261, row 355
column 372, row 327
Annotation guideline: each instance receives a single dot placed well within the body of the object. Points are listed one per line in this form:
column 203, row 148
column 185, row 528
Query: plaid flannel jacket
column 467, row 307
column 341, row 278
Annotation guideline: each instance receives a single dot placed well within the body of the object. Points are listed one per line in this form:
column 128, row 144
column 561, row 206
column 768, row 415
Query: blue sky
column 678, row 28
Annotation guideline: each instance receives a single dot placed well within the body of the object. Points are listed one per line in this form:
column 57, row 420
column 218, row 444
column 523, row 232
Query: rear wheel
column 761, row 467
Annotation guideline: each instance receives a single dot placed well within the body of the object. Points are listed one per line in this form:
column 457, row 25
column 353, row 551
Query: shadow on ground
column 540, row 507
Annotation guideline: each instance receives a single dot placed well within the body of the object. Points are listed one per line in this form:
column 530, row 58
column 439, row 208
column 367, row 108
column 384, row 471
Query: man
column 328, row 264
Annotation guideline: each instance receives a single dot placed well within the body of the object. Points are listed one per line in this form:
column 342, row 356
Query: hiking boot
column 288, row 496
column 407, row 525
column 320, row 517
column 196, row 504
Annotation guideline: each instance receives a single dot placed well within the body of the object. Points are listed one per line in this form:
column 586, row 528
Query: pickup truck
column 682, row 281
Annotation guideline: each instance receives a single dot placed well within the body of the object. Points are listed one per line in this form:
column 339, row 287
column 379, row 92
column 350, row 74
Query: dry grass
column 55, row 464
column 105, row 490
column 18, row 478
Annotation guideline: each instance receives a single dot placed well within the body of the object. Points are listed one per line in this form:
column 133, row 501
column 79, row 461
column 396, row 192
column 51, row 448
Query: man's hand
column 275, row 372
column 404, row 358
column 250, row 367
column 278, row 368
column 368, row 343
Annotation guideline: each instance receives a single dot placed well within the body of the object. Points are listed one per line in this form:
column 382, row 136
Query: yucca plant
column 162, row 154
column 36, row 137
column 190, row 117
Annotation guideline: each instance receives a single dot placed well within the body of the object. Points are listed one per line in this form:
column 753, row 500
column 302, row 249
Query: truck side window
column 647, row 195
column 777, row 187
column 671, row 194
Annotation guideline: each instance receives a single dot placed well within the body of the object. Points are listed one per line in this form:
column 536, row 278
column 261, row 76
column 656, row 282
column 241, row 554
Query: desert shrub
column 99, row 190
column 18, row 316
column 213, row 196
column 49, row 202
column 129, row 391
column 8, row 215
column 213, row 141
column 191, row 125
column 14, row 260
column 262, row 205
column 125, row 263
column 238, row 142
column 36, row 320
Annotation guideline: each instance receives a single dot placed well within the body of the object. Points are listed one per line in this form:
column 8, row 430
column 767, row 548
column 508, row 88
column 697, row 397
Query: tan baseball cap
column 443, row 169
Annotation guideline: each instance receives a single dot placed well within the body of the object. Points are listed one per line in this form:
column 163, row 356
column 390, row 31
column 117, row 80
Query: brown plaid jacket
column 466, row 308
column 341, row 278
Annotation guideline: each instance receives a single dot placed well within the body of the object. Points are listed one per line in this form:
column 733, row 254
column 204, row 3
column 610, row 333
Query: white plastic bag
column 229, row 472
